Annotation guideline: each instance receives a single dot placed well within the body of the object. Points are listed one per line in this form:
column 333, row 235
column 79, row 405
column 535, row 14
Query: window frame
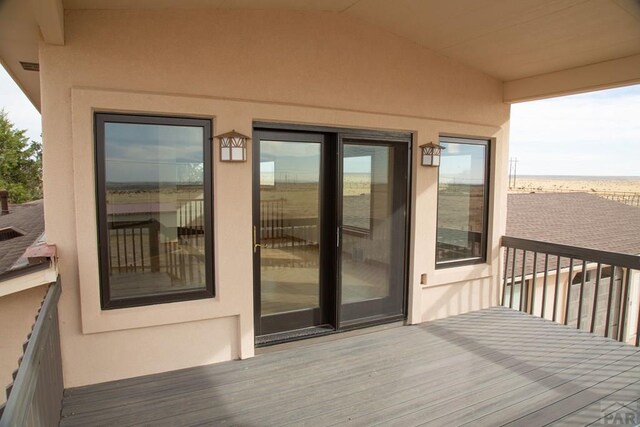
column 486, row 143
column 100, row 119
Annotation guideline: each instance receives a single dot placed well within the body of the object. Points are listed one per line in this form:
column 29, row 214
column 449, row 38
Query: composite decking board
column 247, row 408
column 369, row 411
column 568, row 384
column 424, row 397
column 284, row 358
column 577, row 399
column 318, row 420
column 527, row 397
column 315, row 401
column 235, row 377
column 631, row 406
column 228, row 391
column 594, row 410
column 173, row 395
column 257, row 366
column 173, row 381
column 382, row 377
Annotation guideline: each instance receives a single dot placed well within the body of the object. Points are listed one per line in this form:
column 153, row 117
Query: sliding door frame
column 331, row 212
column 399, row 252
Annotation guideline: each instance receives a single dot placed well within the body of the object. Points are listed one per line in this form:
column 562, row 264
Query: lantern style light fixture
column 233, row 146
column 431, row 154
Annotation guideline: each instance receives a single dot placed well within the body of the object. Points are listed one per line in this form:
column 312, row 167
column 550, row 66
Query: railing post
column 154, row 246
column 612, row 281
column 623, row 308
column 544, row 289
column 533, row 283
column 569, row 283
column 584, row 277
column 555, row 294
column 595, row 298
column 513, row 277
column 504, row 279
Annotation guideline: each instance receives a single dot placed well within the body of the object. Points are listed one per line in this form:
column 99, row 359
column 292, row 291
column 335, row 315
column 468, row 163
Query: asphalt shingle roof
column 27, row 218
column 576, row 219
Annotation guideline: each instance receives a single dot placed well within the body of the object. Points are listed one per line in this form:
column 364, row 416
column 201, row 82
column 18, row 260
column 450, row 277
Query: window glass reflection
column 154, row 182
column 462, row 191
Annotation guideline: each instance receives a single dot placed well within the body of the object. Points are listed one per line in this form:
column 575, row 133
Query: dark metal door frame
column 325, row 313
column 331, row 217
column 379, row 309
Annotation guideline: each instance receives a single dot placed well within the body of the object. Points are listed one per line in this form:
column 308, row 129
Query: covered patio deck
column 489, row 367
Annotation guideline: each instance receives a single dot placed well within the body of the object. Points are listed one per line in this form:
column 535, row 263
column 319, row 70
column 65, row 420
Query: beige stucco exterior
column 237, row 67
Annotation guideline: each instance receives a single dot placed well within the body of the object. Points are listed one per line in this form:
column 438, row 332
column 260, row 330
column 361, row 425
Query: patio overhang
column 537, row 48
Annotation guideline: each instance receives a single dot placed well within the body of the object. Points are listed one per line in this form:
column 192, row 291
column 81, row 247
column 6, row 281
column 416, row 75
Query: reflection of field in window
column 294, row 169
column 461, row 201
column 356, row 190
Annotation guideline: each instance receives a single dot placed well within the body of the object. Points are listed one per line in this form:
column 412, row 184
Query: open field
column 592, row 184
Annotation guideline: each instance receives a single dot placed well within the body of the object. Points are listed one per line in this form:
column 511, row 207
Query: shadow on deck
column 490, row 367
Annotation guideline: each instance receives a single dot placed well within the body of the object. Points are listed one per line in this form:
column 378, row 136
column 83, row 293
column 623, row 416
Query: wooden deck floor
column 490, row 367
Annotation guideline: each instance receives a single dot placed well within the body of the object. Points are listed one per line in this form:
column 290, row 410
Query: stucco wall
column 17, row 315
column 237, row 67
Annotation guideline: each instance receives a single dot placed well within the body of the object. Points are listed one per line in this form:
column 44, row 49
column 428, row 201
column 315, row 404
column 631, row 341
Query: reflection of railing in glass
column 277, row 231
column 128, row 246
column 148, row 246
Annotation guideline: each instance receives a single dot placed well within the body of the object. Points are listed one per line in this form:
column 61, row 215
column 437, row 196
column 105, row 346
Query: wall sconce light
column 233, row 147
column 431, row 154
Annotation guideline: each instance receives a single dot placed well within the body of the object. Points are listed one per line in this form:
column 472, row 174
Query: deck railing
column 35, row 397
column 580, row 287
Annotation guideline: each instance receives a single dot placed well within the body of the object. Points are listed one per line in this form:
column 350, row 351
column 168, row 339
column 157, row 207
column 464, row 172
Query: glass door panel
column 289, row 231
column 373, row 205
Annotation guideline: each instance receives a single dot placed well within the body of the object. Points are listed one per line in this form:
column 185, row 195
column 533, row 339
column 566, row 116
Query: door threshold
column 368, row 322
column 326, row 337
column 297, row 334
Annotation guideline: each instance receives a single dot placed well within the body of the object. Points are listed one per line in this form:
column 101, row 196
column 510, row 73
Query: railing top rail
column 24, row 386
column 566, row 251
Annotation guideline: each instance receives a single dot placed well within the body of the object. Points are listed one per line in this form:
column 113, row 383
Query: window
column 154, row 209
column 463, row 191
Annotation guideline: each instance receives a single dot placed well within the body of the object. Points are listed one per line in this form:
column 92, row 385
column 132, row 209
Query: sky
column 19, row 109
column 596, row 133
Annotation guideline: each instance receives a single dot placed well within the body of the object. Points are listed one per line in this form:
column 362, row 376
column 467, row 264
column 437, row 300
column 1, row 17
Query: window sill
column 453, row 275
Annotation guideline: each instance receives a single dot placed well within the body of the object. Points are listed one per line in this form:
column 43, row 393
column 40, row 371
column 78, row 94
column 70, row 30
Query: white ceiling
column 507, row 39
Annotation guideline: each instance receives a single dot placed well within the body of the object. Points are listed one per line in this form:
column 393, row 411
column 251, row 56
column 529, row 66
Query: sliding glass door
column 329, row 230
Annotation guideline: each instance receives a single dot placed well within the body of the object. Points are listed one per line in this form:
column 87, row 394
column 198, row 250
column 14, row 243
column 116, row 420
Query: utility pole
column 513, row 171
column 510, row 170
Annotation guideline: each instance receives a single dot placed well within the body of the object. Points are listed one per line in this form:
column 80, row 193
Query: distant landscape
column 593, row 184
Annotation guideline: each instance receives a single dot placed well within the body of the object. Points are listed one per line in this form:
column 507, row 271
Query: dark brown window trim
column 106, row 301
column 440, row 265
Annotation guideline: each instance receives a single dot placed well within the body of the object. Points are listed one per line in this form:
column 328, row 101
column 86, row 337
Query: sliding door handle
column 256, row 245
